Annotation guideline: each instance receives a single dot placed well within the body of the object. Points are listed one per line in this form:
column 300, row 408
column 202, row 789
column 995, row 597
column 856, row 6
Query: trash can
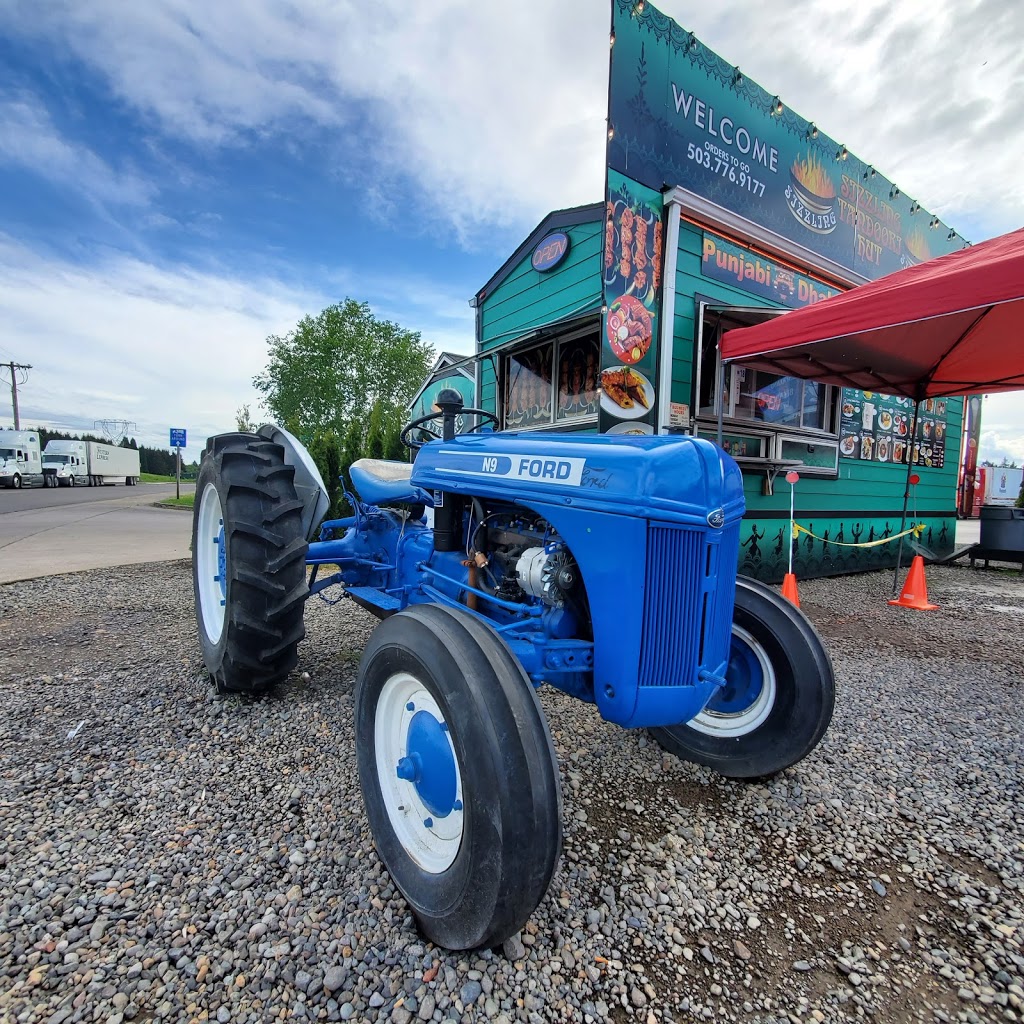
column 1002, row 528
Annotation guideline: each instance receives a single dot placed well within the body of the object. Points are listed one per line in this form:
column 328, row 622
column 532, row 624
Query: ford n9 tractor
column 602, row 565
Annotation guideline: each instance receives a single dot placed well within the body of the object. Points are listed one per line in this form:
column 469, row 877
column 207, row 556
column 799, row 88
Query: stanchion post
column 791, row 478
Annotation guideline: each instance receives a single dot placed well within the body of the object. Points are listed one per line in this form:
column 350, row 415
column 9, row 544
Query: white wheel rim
column 740, row 723
column 431, row 836
column 210, row 554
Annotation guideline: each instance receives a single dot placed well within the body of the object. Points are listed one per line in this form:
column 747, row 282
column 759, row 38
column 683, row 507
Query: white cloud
column 1002, row 428
column 129, row 340
column 497, row 111
column 32, row 141
column 926, row 91
column 178, row 346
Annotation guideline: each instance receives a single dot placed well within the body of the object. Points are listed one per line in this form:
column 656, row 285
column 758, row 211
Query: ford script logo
column 716, row 518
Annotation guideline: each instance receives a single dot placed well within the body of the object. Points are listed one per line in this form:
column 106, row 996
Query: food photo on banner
column 632, row 287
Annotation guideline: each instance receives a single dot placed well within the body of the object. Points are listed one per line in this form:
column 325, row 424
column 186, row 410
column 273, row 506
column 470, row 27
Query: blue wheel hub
column 429, row 764
column 744, row 680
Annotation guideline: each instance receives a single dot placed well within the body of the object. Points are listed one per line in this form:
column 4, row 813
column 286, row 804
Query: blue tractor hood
column 676, row 478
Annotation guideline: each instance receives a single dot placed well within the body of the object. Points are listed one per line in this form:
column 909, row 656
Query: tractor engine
column 528, row 560
column 608, row 564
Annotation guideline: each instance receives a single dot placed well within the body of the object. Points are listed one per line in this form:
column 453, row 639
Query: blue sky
column 181, row 179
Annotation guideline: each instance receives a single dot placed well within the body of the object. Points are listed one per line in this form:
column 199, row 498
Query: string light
column 611, row 133
column 812, row 131
column 842, row 153
column 893, row 192
column 777, row 106
column 611, row 40
column 693, row 41
column 737, row 78
column 870, row 172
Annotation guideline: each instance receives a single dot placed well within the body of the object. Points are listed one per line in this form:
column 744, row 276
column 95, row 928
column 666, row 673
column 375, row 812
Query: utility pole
column 14, row 367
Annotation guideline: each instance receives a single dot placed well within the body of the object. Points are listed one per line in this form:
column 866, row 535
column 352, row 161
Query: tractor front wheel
column 778, row 697
column 248, row 563
column 458, row 775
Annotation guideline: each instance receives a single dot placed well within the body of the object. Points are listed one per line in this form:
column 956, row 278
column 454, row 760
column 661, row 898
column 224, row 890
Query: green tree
column 341, row 382
column 333, row 367
column 327, row 454
column 375, row 433
column 243, row 421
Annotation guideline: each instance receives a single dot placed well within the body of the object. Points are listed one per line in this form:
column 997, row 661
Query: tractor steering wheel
column 420, row 421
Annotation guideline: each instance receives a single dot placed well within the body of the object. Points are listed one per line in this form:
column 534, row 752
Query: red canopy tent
column 951, row 326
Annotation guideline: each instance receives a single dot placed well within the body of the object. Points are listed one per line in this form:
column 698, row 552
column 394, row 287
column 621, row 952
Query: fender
column 309, row 484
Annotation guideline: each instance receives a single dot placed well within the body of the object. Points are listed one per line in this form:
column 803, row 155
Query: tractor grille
column 687, row 616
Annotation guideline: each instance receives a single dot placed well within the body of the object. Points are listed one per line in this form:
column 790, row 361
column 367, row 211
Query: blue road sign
column 178, row 437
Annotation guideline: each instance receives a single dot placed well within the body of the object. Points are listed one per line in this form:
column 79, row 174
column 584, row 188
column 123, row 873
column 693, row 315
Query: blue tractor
column 602, row 565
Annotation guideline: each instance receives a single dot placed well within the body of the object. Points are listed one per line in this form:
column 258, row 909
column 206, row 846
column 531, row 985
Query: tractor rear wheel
column 778, row 698
column 458, row 774
column 248, row 563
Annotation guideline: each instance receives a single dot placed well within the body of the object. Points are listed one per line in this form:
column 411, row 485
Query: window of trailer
column 553, row 383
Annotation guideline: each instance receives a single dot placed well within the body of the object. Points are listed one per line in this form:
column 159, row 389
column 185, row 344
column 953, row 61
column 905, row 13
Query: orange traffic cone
column 789, row 589
column 915, row 590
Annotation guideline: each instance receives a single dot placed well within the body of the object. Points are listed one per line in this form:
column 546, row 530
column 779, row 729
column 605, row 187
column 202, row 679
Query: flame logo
column 810, row 173
column 917, row 246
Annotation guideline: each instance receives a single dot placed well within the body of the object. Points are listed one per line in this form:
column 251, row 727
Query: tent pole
column 719, row 387
column 906, row 496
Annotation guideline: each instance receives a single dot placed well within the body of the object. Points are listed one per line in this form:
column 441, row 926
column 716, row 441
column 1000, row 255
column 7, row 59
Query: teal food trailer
column 722, row 208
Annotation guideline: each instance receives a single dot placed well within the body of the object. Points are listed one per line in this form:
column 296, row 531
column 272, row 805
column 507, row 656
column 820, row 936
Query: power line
column 116, row 430
column 14, row 367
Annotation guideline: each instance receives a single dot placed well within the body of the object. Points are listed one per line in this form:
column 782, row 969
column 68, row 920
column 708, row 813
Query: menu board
column 876, row 428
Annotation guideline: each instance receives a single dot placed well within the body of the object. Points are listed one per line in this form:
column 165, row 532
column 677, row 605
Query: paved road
column 29, row 498
column 45, row 531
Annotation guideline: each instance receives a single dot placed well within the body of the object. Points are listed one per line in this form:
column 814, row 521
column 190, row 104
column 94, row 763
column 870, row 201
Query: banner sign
column 756, row 274
column 972, row 432
column 632, row 290
column 876, row 428
column 681, row 115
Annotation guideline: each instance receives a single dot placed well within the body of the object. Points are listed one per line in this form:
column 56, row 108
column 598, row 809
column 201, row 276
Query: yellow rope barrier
column 916, row 530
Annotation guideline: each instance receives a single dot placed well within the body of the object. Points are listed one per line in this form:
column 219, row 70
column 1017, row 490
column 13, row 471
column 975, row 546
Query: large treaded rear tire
column 249, row 613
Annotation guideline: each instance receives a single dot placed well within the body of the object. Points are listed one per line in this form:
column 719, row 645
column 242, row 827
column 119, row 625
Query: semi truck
column 71, row 463
column 20, row 464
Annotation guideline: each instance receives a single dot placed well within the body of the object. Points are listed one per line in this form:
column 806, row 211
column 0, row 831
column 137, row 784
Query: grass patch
column 156, row 478
column 185, row 501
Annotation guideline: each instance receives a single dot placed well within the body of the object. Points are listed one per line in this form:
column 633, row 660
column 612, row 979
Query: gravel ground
column 168, row 855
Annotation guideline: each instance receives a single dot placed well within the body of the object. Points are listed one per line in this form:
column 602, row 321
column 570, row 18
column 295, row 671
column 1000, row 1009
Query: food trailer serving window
column 794, row 419
column 782, row 401
column 553, row 382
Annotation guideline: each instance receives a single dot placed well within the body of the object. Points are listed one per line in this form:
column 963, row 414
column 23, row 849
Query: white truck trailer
column 71, row 463
column 20, row 464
